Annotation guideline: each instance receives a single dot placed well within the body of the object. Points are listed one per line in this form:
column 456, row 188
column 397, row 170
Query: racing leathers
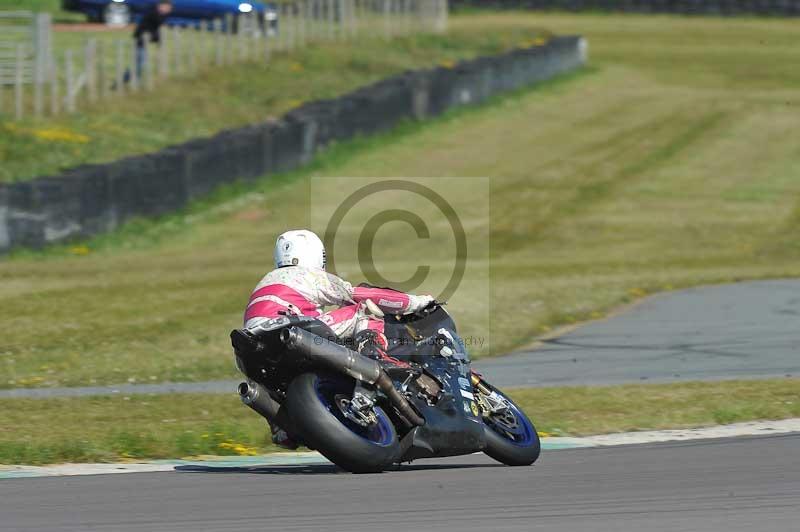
column 305, row 291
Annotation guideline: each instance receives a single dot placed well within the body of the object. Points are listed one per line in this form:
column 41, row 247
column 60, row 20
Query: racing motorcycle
column 364, row 415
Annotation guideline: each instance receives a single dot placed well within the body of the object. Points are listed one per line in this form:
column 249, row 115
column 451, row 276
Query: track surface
column 745, row 330
column 709, row 486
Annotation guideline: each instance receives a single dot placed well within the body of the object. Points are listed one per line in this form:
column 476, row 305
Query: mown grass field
column 175, row 426
column 672, row 161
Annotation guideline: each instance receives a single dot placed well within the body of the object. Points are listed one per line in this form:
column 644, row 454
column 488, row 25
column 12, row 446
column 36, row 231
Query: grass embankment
column 673, row 162
column 223, row 97
column 51, row 6
column 175, row 426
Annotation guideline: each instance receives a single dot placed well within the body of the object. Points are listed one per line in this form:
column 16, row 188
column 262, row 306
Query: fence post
column 69, row 74
column 291, row 19
column 302, row 16
column 441, row 16
column 119, row 74
column 387, row 21
column 332, row 33
column 191, row 50
column 163, row 56
column 216, row 28
column 241, row 33
column 227, row 32
column 19, row 71
column 311, row 20
column 201, row 35
column 55, row 96
column 267, row 47
column 178, row 51
column 43, row 29
column 147, row 66
column 90, row 67
column 133, row 76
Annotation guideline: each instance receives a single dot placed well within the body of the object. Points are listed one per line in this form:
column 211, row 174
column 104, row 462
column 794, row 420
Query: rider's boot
column 373, row 345
column 281, row 438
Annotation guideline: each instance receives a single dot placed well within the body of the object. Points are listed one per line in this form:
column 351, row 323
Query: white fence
column 61, row 81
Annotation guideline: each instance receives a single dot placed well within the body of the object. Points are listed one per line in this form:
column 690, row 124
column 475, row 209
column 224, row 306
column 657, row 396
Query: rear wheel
column 317, row 403
column 511, row 437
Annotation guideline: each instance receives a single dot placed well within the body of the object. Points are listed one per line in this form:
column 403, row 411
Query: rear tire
column 519, row 447
column 320, row 422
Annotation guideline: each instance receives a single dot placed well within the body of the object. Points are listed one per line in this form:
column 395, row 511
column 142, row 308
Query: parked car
column 184, row 12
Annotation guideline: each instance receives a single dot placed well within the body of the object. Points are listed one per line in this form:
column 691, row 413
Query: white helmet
column 299, row 248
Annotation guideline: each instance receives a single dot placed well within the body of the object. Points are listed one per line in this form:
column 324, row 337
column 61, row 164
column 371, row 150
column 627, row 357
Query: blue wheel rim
column 523, row 435
column 380, row 433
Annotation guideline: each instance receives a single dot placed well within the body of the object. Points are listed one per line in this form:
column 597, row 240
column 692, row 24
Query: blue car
column 184, row 12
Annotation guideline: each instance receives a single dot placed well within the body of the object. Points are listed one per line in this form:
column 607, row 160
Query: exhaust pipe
column 256, row 397
column 339, row 358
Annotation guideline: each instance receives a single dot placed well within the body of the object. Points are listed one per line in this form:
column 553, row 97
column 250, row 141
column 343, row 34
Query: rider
column 299, row 285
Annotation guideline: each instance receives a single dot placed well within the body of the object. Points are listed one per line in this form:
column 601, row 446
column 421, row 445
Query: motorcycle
column 365, row 416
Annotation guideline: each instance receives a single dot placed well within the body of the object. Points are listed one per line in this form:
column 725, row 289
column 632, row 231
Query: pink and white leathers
column 305, row 291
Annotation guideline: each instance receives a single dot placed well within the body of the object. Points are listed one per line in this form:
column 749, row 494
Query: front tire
column 511, row 438
column 311, row 401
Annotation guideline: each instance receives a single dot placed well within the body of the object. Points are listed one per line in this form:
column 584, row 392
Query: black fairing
column 451, row 427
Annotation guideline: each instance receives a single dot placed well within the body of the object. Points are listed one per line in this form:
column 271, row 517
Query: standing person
column 150, row 23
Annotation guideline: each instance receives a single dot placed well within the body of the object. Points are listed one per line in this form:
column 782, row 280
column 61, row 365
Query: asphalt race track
column 744, row 330
column 742, row 484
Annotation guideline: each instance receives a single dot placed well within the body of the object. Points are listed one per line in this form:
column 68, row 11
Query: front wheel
column 317, row 402
column 511, row 437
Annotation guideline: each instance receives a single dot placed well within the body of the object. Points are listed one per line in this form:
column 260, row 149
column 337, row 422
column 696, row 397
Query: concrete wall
column 92, row 199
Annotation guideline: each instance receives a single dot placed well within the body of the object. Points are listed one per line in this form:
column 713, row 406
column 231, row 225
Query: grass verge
column 174, row 426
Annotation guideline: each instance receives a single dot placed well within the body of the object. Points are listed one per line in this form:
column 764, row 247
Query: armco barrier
column 779, row 8
column 92, row 199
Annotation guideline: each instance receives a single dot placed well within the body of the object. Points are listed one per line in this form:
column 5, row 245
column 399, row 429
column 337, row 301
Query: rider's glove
column 417, row 303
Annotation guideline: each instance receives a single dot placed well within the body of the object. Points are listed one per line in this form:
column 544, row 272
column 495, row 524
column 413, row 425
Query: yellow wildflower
column 57, row 134
column 79, row 250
